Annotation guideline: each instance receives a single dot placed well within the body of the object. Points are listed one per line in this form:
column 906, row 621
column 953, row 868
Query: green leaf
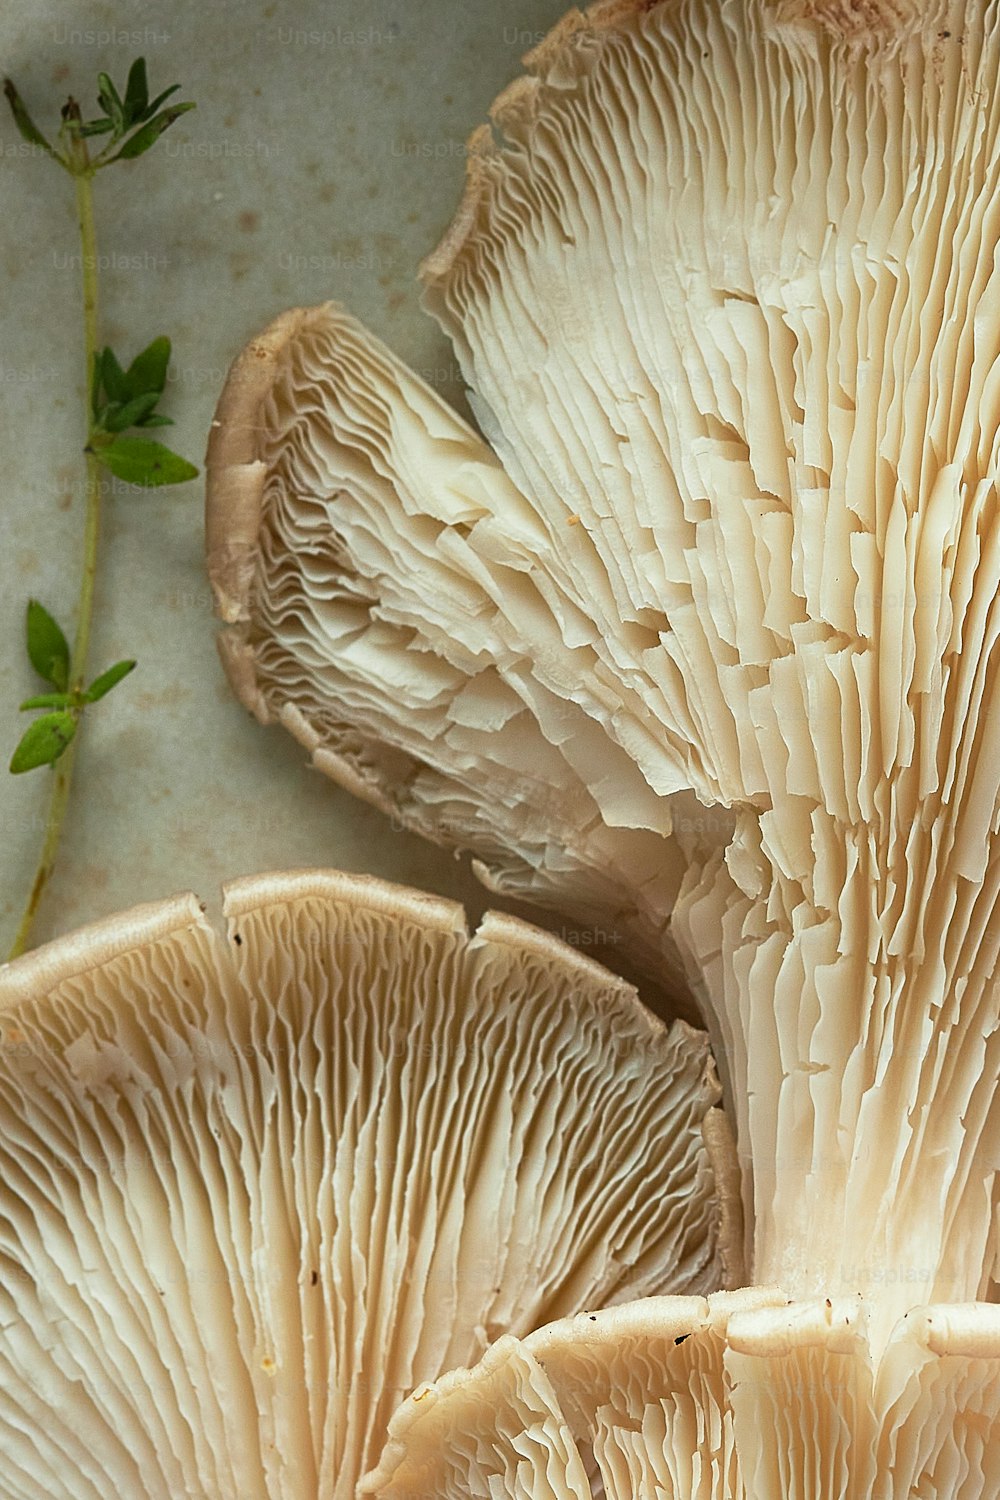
column 113, row 377
column 107, row 680
column 148, row 371
column 47, row 700
column 25, row 124
column 151, row 109
column 95, row 385
column 148, row 135
column 156, row 419
column 48, row 648
column 95, row 127
column 43, row 742
column 139, row 460
column 116, row 418
column 107, row 98
column 136, row 93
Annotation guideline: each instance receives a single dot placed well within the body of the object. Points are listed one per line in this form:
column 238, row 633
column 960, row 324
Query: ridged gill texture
column 735, row 1397
column 365, row 622
column 257, row 1188
column 724, row 287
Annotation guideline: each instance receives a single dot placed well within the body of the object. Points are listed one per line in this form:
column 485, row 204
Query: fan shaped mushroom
column 257, row 1188
column 724, row 287
column 740, row 1396
column 341, row 491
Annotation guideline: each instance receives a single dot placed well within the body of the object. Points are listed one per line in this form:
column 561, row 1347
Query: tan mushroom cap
column 743, row 1396
column 724, row 287
column 257, row 1187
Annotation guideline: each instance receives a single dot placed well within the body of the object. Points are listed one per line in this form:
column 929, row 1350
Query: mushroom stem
column 864, row 1085
column 62, row 777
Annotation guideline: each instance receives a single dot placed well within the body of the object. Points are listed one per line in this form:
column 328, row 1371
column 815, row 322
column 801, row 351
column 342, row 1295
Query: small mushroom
column 740, row 1396
column 352, row 523
column 256, row 1188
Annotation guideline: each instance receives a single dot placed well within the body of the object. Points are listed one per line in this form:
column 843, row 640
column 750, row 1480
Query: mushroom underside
column 740, row 1396
column 724, row 288
column 256, row 1187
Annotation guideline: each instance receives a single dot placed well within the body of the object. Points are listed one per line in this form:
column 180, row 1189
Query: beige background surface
column 324, row 159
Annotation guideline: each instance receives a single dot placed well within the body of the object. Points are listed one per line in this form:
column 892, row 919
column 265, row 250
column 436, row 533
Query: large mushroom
column 257, row 1188
column 724, row 287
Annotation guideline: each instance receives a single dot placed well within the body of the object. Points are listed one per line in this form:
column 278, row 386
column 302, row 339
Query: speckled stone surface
column 324, row 159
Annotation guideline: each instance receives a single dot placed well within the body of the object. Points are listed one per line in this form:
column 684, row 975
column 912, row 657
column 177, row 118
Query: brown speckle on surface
column 327, row 193
column 61, row 72
column 66, row 479
column 849, row 20
column 248, row 220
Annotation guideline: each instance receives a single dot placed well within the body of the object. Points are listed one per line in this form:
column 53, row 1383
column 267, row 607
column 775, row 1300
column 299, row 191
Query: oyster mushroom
column 256, row 1188
column 737, row 1395
column 723, row 285
column 342, row 492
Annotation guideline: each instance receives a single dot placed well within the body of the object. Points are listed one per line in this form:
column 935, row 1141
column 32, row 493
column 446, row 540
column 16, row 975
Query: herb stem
column 63, row 770
column 92, row 525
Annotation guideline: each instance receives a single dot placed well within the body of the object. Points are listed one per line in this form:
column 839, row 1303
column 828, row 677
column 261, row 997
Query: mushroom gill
column 740, row 1396
column 724, row 287
column 257, row 1188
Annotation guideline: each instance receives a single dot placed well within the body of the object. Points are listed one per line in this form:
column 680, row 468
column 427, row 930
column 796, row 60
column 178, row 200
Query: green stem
column 63, row 769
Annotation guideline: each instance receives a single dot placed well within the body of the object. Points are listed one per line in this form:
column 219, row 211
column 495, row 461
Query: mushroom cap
column 740, row 1396
column 724, row 286
column 257, row 1187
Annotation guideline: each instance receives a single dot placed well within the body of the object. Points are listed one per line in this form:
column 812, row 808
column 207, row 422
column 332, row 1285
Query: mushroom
column 341, row 495
column 723, row 285
column 740, row 1396
column 257, row 1188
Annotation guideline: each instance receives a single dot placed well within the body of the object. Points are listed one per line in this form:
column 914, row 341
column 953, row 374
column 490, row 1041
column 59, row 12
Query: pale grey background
column 324, row 160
